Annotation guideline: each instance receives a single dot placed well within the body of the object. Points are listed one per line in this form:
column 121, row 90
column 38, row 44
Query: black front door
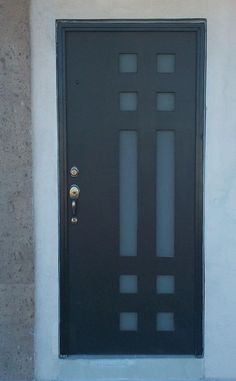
column 130, row 107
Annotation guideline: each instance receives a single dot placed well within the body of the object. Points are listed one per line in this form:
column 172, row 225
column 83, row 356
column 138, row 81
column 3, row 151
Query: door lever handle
column 74, row 193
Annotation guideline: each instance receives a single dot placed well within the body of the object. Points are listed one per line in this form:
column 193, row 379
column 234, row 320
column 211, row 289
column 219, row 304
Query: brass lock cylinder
column 74, row 192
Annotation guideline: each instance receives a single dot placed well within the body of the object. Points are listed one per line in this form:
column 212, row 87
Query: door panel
column 129, row 125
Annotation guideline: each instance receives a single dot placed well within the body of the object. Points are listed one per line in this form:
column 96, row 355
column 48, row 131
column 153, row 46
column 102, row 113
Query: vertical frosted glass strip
column 165, row 193
column 128, row 193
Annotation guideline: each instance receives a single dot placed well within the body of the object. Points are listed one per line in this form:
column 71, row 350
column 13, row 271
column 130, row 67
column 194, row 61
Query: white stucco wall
column 219, row 361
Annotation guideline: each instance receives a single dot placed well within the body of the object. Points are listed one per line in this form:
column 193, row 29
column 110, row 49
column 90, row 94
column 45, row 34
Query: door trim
column 194, row 25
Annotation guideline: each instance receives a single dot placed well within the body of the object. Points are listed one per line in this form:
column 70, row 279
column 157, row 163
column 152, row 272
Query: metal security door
column 131, row 115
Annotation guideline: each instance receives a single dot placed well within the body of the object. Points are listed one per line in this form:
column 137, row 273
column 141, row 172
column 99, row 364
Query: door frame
column 193, row 25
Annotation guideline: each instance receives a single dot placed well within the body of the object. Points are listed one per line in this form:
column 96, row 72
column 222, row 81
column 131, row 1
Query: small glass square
column 166, row 63
column 165, row 321
column 128, row 101
column 128, row 284
column 128, row 321
column 128, row 63
column 165, row 101
column 165, row 284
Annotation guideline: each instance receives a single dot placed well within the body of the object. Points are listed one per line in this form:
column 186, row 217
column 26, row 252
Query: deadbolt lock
column 74, row 172
column 74, row 192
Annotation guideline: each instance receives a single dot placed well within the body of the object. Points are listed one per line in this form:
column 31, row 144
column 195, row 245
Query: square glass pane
column 128, row 101
column 128, row 284
column 165, row 321
column 165, row 284
column 165, row 101
column 128, row 63
column 165, row 63
column 128, row 321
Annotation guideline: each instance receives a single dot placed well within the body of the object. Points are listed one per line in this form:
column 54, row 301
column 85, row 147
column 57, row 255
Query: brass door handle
column 74, row 193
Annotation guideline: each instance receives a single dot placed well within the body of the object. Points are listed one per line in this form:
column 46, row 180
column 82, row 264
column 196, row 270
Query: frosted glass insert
column 165, row 321
column 128, row 284
column 165, row 284
column 165, row 63
column 128, row 321
column 128, row 101
column 128, row 193
column 165, row 101
column 165, row 193
column 128, row 63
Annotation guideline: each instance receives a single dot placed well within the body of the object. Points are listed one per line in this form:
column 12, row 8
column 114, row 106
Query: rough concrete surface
column 16, row 253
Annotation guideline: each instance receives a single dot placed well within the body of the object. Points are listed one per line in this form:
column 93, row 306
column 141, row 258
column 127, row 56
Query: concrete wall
column 16, row 253
column 220, row 192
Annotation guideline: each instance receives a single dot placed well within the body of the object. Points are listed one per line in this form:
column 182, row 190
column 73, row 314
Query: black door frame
column 194, row 25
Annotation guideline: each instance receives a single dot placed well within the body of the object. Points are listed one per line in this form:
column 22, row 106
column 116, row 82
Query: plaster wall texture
column 220, row 192
column 16, row 251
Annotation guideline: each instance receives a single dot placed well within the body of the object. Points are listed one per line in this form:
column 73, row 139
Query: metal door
column 130, row 126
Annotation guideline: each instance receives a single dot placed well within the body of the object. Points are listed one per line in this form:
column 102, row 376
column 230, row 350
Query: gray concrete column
column 16, row 251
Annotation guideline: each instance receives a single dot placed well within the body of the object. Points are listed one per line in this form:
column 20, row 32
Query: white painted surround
column 219, row 360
